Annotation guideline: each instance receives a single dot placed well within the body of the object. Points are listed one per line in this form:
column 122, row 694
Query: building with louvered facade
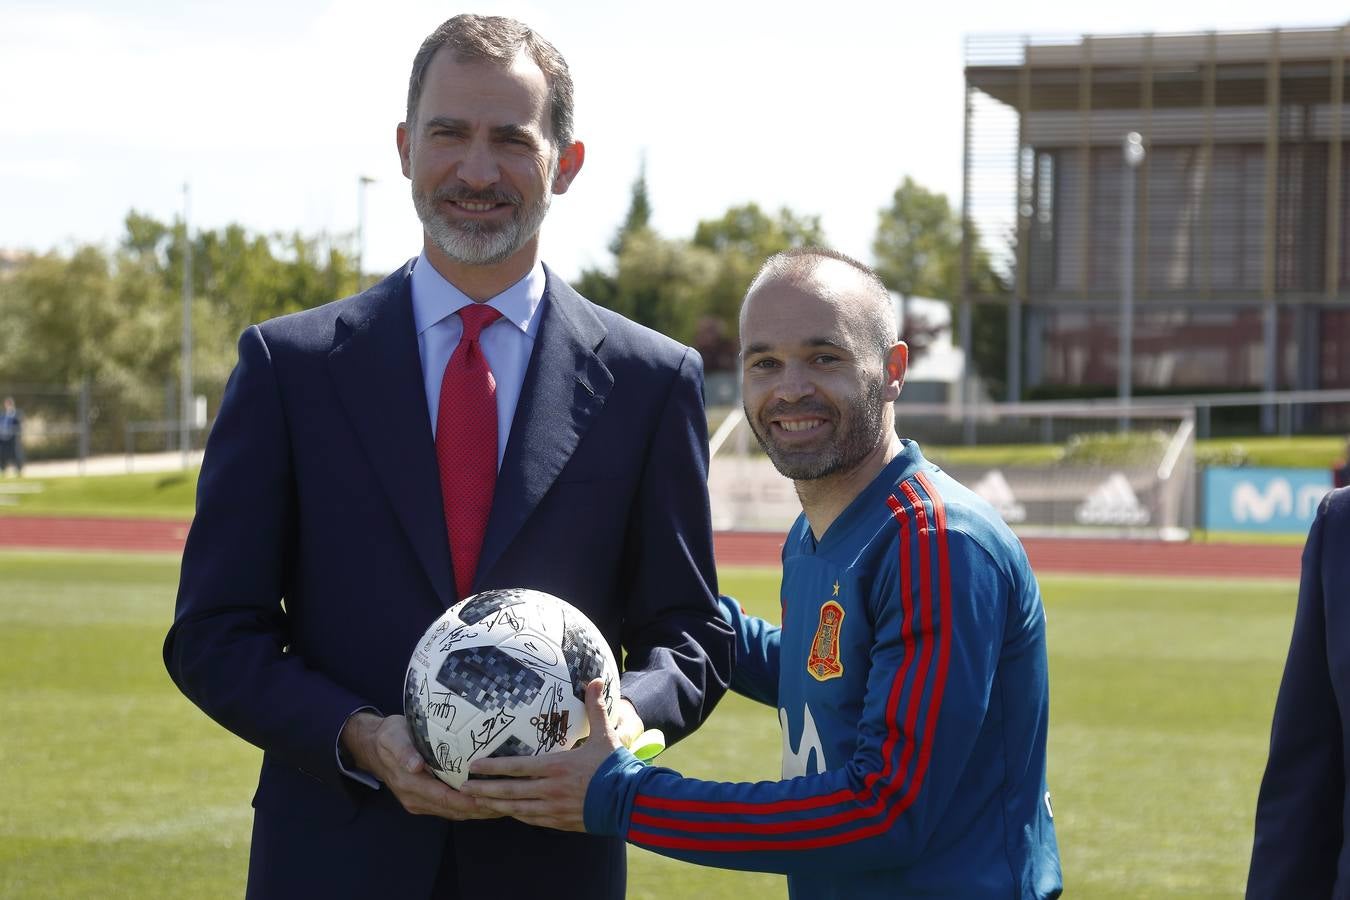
column 1240, row 273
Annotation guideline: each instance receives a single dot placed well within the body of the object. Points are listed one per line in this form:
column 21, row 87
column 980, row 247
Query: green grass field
column 113, row 785
column 152, row 495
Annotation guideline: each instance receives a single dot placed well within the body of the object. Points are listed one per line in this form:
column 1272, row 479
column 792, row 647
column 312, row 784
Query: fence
column 1216, row 415
column 62, row 423
column 1142, row 483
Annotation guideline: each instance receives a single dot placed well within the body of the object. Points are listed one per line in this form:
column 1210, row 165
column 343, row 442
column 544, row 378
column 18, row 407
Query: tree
column 600, row 286
column 918, row 244
column 113, row 318
column 664, row 284
column 917, row 252
column 692, row 290
column 742, row 239
column 749, row 231
column 639, row 216
column 64, row 310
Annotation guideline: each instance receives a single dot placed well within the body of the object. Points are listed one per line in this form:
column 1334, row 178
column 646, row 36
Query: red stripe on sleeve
column 906, row 634
column 921, row 676
column 944, row 634
column 942, row 629
column 729, row 807
column 796, row 805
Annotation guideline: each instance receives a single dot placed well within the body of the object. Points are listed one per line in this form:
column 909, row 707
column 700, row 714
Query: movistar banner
column 1261, row 499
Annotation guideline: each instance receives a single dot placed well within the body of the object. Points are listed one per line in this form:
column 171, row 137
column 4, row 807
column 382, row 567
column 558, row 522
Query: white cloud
column 40, row 169
column 272, row 110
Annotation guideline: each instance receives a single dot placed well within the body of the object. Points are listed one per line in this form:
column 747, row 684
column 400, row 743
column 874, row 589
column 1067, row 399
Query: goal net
column 1086, row 469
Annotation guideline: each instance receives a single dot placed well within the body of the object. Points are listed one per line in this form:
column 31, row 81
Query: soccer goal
column 1048, row 468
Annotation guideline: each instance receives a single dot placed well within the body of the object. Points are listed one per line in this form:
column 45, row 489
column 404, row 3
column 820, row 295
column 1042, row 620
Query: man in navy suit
column 1301, row 814
column 320, row 551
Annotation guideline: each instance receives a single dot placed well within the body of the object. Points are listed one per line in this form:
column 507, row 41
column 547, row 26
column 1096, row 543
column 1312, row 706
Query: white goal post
column 1100, row 480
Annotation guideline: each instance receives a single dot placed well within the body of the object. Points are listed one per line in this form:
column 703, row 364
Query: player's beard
column 479, row 243
column 858, row 429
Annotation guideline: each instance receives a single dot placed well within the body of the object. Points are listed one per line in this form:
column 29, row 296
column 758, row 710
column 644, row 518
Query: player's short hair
column 874, row 302
column 499, row 40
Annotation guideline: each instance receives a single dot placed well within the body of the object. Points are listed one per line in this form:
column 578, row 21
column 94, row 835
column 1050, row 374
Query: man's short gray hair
column 497, row 39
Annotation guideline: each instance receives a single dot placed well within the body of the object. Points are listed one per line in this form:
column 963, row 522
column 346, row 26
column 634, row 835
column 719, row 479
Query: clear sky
column 272, row 109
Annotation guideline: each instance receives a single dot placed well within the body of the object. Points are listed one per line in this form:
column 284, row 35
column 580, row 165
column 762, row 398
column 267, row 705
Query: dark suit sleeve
column 1298, row 812
column 678, row 648
column 227, row 648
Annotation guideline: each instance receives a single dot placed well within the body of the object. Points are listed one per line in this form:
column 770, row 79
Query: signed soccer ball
column 504, row 673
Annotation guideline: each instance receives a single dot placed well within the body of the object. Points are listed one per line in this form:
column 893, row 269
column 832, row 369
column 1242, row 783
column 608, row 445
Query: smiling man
column 469, row 423
column 909, row 673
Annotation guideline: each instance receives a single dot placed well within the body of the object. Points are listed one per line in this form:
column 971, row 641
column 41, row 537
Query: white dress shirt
column 506, row 343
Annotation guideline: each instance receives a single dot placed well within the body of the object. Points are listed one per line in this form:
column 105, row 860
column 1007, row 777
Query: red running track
column 1063, row 555
column 125, row 535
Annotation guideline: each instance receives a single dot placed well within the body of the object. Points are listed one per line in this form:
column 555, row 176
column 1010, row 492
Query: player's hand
column 548, row 790
column 383, row 747
column 629, row 724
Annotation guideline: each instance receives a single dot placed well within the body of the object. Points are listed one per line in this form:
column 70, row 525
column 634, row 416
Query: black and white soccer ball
column 504, row 673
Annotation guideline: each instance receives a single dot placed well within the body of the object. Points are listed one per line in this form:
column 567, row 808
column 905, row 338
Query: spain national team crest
column 824, row 662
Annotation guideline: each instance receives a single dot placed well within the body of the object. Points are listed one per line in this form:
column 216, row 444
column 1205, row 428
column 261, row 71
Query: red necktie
column 466, row 444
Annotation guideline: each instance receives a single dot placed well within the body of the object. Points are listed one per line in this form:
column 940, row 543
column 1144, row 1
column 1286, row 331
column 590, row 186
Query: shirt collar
column 862, row 507
column 435, row 299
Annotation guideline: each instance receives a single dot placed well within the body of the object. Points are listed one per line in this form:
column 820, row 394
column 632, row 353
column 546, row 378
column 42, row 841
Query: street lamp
column 1133, row 148
column 361, row 182
column 185, row 404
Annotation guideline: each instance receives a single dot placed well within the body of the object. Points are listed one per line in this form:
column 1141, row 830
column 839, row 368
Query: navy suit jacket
column 318, row 556
column 1303, row 811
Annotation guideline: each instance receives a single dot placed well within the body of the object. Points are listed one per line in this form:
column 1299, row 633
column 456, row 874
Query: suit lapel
column 378, row 372
column 564, row 390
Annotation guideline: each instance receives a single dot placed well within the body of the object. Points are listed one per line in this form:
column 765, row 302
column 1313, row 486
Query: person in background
column 11, row 438
column 1340, row 473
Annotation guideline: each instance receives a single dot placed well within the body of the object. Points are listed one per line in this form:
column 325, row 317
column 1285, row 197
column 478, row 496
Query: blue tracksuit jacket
column 910, row 679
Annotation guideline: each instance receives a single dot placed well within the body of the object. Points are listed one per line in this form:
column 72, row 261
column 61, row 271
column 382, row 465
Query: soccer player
column 910, row 669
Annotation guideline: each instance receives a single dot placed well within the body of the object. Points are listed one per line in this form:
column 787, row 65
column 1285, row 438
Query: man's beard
column 479, row 243
column 857, row 432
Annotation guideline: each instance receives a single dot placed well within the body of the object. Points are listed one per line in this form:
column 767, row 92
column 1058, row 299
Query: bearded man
column 909, row 672
column 469, row 423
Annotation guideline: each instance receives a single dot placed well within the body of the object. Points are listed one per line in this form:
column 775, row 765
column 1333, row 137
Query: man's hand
column 549, row 790
column 383, row 747
column 629, row 724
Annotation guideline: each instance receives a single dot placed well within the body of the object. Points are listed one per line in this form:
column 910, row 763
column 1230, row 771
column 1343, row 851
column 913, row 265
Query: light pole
column 1134, row 152
column 185, row 406
column 361, row 182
